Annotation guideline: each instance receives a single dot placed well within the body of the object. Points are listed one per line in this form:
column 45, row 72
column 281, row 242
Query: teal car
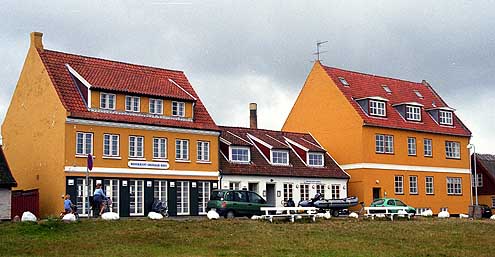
column 392, row 202
column 232, row 203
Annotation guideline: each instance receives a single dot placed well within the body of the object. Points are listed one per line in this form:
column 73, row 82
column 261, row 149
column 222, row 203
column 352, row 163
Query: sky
column 237, row 52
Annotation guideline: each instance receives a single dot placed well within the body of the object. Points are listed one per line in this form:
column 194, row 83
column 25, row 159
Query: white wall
column 5, row 203
column 279, row 185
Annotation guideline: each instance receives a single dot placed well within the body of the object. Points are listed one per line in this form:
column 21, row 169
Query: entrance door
column 253, row 187
column 270, row 194
column 82, row 196
column 111, row 188
column 203, row 196
column 376, row 192
column 182, row 197
column 136, row 191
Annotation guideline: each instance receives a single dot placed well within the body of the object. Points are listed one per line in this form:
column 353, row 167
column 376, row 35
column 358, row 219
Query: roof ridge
column 270, row 130
column 115, row 61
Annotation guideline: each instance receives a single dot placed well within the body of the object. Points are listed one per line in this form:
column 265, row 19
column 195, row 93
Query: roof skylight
column 418, row 93
column 387, row 89
column 343, row 81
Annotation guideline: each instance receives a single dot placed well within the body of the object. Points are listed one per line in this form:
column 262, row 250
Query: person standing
column 98, row 197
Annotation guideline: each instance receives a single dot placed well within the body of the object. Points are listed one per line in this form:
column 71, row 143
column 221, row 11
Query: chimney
column 253, row 117
column 37, row 40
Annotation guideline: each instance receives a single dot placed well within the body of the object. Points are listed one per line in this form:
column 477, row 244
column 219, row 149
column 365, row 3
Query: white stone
column 110, row 216
column 444, row 214
column 327, row 215
column 212, row 215
column 28, row 216
column 354, row 215
column 69, row 217
column 402, row 213
column 492, row 217
column 427, row 213
column 256, row 217
column 463, row 216
column 155, row 216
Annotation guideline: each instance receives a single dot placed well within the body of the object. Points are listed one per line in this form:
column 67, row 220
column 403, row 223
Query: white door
column 203, row 195
column 82, row 196
column 182, row 197
column 136, row 191
column 111, row 188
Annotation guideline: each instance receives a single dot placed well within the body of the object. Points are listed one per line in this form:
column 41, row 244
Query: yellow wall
column 484, row 199
column 33, row 134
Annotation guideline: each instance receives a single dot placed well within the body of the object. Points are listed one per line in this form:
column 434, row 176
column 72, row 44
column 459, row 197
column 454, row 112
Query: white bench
column 289, row 212
column 389, row 212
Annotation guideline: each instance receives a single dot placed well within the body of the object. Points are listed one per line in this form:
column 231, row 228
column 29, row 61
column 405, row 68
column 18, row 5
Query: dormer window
column 387, row 89
column 107, row 101
column 156, row 106
column 315, row 159
column 445, row 117
column 343, row 81
column 240, row 154
column 418, row 94
column 377, row 108
column 178, row 109
column 132, row 103
column 413, row 113
column 280, row 157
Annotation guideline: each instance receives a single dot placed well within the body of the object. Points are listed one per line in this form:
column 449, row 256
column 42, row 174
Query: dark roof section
column 259, row 165
column 488, row 162
column 363, row 85
column 6, row 178
column 122, row 77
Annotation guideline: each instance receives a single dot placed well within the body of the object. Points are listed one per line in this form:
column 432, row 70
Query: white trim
column 250, row 143
column 110, row 144
column 108, row 101
column 155, row 100
column 259, row 141
column 240, row 147
column 112, row 157
column 408, row 103
column 298, row 155
column 317, row 153
column 445, row 108
column 377, row 98
column 132, row 102
column 178, row 103
column 281, row 151
column 135, row 156
column 275, row 139
column 139, row 127
column 141, row 114
column 382, row 166
column 76, row 169
column 296, row 144
column 182, row 161
column 203, row 162
column 225, row 141
column 307, row 141
column 182, row 89
column 81, row 78
column 256, row 146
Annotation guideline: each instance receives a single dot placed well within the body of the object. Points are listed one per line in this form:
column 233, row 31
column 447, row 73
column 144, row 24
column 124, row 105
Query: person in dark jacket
column 98, row 197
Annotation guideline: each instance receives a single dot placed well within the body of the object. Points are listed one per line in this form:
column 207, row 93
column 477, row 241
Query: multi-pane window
column 132, row 103
column 315, row 159
column 411, row 146
column 234, row 185
column 452, row 149
column 445, row 117
column 413, row 184
column 203, row 151
column 182, row 197
column 493, row 201
column 413, row 113
column 178, row 109
column 427, row 147
column 203, row 196
column 454, row 186
column 136, row 191
column 399, row 184
column 111, row 188
column 280, row 157
column 477, row 180
column 343, row 81
column 182, row 149
column 156, row 106
column 384, row 143
column 430, row 189
column 107, row 101
column 377, row 108
column 159, row 148
column 320, row 189
column 82, row 196
column 304, row 191
column 240, row 154
column 84, row 143
column 160, row 190
column 335, row 191
column 136, row 146
column 111, row 145
column 287, row 192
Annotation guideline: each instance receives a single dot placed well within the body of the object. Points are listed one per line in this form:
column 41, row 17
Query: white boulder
column 155, row 216
column 427, row 213
column 353, row 215
column 327, row 215
column 444, row 214
column 256, row 217
column 110, row 216
column 463, row 216
column 212, row 215
column 28, row 216
column 402, row 213
column 492, row 217
column 69, row 217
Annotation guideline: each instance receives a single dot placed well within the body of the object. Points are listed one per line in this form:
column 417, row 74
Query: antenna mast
column 318, row 52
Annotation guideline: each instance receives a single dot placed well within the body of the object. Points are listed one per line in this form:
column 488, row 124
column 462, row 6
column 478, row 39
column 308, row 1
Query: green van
column 231, row 203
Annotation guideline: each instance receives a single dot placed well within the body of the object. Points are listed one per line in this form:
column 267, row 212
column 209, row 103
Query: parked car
column 392, row 202
column 486, row 211
column 231, row 203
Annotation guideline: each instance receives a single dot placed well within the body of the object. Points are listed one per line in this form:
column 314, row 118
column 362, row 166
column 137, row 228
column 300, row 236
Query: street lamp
column 471, row 146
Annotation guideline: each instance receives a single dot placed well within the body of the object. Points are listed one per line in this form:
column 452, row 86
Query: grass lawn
column 242, row 237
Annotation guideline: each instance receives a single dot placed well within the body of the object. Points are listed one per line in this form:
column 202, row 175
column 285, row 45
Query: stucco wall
column 5, row 203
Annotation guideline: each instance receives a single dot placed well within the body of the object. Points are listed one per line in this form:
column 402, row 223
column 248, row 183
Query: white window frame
column 399, row 184
column 413, row 113
column 136, row 183
column 452, row 150
column 384, row 144
column 181, row 149
column 84, row 151
column 82, row 196
column 479, row 180
column 335, row 191
column 134, row 103
column 112, row 144
column 411, row 146
column 428, row 147
column 231, row 149
column 184, row 194
column 304, row 192
column 445, row 117
column 105, row 101
column 320, row 188
column 178, row 109
column 160, row 190
column 204, row 189
column 135, row 153
column 288, row 191
column 110, row 185
column 413, row 185
column 429, row 185
column 454, row 186
column 344, row 81
column 156, row 106
column 203, row 151
column 279, row 160
column 234, row 185
column 158, row 152
column 315, row 158
column 377, row 108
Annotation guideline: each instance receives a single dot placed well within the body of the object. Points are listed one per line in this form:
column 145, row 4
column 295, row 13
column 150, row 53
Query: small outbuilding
column 7, row 182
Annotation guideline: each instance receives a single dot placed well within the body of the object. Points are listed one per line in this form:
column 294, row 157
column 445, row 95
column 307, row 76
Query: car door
column 391, row 203
column 241, row 202
column 255, row 203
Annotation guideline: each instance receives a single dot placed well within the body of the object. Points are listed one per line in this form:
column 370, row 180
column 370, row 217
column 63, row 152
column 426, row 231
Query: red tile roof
column 259, row 165
column 366, row 85
column 125, row 78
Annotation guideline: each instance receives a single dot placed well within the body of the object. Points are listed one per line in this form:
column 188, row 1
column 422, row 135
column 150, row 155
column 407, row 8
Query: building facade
column 485, row 183
column 7, row 182
column 146, row 128
column 395, row 138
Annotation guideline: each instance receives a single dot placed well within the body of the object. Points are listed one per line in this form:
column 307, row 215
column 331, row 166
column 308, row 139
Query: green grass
column 241, row 237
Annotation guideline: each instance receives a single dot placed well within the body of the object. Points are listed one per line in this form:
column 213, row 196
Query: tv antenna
column 318, row 52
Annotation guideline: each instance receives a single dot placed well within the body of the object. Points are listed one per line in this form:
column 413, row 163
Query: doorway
column 270, row 194
column 376, row 193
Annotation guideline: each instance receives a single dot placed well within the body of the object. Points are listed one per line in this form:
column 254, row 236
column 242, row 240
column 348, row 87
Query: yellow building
column 146, row 128
column 395, row 138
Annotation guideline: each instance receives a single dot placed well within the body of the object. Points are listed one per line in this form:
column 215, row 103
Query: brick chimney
column 37, row 40
column 253, row 116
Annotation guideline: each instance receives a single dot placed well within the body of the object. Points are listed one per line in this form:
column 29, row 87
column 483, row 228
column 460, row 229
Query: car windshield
column 217, row 195
column 378, row 202
column 399, row 203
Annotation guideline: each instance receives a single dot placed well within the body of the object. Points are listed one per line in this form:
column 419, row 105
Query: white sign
column 70, row 182
column 124, row 183
column 148, row 165
column 148, row 183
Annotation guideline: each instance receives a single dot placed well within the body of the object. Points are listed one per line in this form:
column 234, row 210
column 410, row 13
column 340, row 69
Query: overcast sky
column 261, row 51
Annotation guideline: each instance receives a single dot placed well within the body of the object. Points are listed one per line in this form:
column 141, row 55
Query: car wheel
column 230, row 215
column 335, row 213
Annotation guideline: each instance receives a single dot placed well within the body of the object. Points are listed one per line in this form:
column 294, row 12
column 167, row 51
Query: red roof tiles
column 365, row 85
